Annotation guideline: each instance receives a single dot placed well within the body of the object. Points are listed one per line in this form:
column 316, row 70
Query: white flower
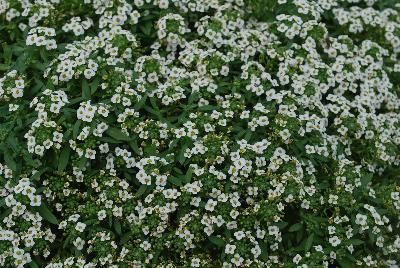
column 79, row 243
column 334, row 241
column 297, row 259
column 17, row 92
column 230, row 249
column 36, row 200
column 195, row 262
column 101, row 215
column 361, row 219
column 239, row 235
column 210, row 205
column 80, row 226
column 145, row 245
column 19, row 83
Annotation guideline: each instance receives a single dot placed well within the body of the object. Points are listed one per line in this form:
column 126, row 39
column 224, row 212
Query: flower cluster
column 11, row 89
column 31, row 236
column 192, row 133
column 77, row 26
column 41, row 36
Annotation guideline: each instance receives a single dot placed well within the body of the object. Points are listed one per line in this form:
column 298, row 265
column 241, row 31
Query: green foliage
column 199, row 133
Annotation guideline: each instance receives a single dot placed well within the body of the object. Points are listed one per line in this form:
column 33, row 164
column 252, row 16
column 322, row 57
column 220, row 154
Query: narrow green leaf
column 47, row 214
column 33, row 264
column 134, row 146
column 181, row 156
column 356, row 242
column 37, row 174
column 309, row 243
column 264, row 251
column 141, row 191
column 67, row 241
column 4, row 67
column 5, row 213
column 366, row 179
column 146, row 28
column 188, row 175
column 82, row 162
column 150, row 149
column 125, row 238
column 117, row 227
column 281, row 225
column 75, row 129
column 94, row 85
column 345, row 263
column 295, row 227
column 176, row 181
column 217, row 241
column 117, row 134
column 140, row 103
column 85, row 89
column 207, row 108
column 75, row 100
column 91, row 222
column 64, row 157
column 8, row 158
column 12, row 142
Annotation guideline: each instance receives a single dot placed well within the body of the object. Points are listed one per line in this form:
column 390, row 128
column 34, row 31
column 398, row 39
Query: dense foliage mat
column 199, row 133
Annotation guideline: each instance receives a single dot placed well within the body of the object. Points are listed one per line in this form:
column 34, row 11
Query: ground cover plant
column 199, row 133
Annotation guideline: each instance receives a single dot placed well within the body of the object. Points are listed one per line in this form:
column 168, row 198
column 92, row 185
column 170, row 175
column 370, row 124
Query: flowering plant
column 199, row 133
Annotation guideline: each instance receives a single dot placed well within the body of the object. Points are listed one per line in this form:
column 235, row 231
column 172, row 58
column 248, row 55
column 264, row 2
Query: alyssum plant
column 199, row 133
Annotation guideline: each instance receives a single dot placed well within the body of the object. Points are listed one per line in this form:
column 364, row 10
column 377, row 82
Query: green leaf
column 150, row 149
column 5, row 213
column 207, row 108
column 75, row 129
column 91, row 222
column 86, row 93
column 75, row 100
column 156, row 255
column 146, row 28
column 94, row 85
column 47, row 214
column 10, row 160
column 188, row 175
column 33, row 264
column 295, row 227
column 345, row 263
column 109, row 140
column 264, row 251
column 356, row 242
column 141, row 191
column 12, row 142
column 67, row 241
column 134, row 146
column 64, row 157
column 43, row 55
column 140, row 103
column 38, row 85
column 82, row 162
column 125, row 238
column 117, row 227
column 36, row 176
column 217, row 241
column 176, row 181
column 309, row 243
column 281, row 225
column 4, row 67
column 366, row 179
column 181, row 156
column 7, row 53
column 117, row 134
